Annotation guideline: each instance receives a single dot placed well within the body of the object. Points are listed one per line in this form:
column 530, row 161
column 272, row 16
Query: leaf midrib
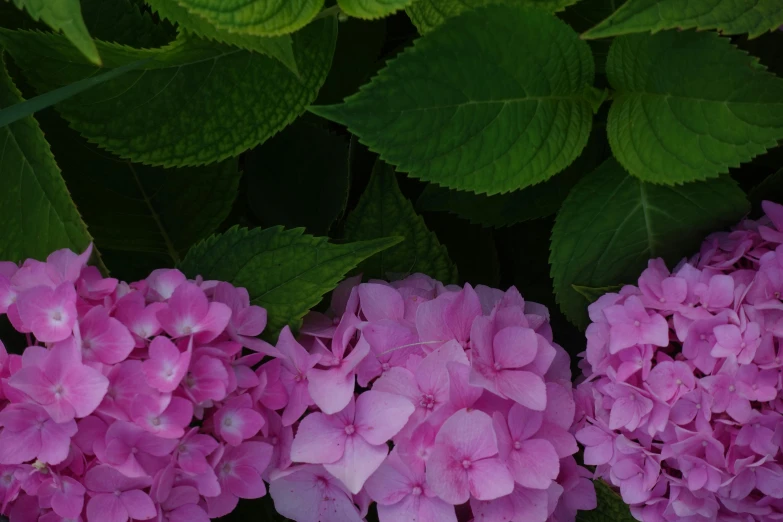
column 486, row 102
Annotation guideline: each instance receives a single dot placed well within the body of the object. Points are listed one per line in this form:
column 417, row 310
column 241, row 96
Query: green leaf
column 611, row 507
column 125, row 22
column 688, row 106
column 426, row 15
column 278, row 47
column 530, row 203
column 289, row 187
column 35, row 206
column 28, row 107
column 371, row 9
column 592, row 294
column 383, row 211
column 771, row 188
column 142, row 217
column 63, row 16
column 727, row 16
column 465, row 109
column 255, row 17
column 285, row 271
column 611, row 224
column 196, row 102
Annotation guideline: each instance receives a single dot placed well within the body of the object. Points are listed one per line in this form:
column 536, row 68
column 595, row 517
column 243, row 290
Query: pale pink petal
column 84, row 389
column 525, row 388
column 534, row 464
column 49, row 313
column 166, row 365
column 447, row 477
column 489, row 479
column 360, row 460
column 331, row 389
column 380, row 416
column 515, row 347
column 106, row 507
column 391, row 482
column 469, row 434
column 245, row 482
column 399, row 381
column 319, row 439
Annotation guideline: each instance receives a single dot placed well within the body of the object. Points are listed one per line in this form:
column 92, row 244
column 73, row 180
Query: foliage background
column 533, row 157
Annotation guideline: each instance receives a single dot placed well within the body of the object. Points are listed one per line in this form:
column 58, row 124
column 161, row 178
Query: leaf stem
column 166, row 239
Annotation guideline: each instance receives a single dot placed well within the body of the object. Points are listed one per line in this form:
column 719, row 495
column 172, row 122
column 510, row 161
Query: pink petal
column 166, row 365
column 56, row 441
column 85, row 389
column 319, row 439
column 245, row 482
column 489, row 479
column 461, row 393
column 380, row 302
column 138, row 504
column 523, row 423
column 535, row 464
column 399, row 381
column 380, row 416
column 213, row 323
column 19, row 447
column 515, row 347
column 331, row 389
column 469, row 435
column 525, row 388
column 360, row 460
column 106, row 508
column 391, row 482
column 447, row 477
column 50, row 314
column 104, row 338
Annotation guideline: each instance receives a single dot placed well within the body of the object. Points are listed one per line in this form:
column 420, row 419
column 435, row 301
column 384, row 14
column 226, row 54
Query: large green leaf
column 142, row 217
column 294, row 189
column 728, row 16
column 196, row 102
column 688, row 106
column 36, row 210
column 465, row 108
column 384, row 211
column 771, row 188
column 257, row 17
column 371, row 9
column 64, row 16
column 279, row 47
column 428, row 14
column 612, row 223
column 530, row 203
column 126, row 22
column 611, row 507
column 285, row 271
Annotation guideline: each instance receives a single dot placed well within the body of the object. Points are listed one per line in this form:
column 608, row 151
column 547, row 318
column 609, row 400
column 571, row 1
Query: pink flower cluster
column 682, row 403
column 465, row 387
column 131, row 401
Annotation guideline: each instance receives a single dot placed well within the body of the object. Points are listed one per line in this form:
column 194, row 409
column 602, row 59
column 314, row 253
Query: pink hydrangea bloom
column 681, row 408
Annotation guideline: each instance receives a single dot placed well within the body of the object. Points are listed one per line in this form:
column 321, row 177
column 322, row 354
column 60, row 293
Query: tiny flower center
column 274, row 441
column 777, row 295
column 427, row 401
column 58, row 390
column 350, row 429
column 182, row 448
column 743, row 345
column 662, row 300
column 57, row 316
column 698, row 406
column 704, row 443
column 517, row 445
column 226, row 467
column 134, row 450
column 416, row 491
column 703, row 337
column 637, row 323
column 385, row 367
column 117, row 493
column 497, row 366
column 466, row 464
column 155, row 421
column 678, row 381
column 731, row 388
column 298, row 377
column 227, row 422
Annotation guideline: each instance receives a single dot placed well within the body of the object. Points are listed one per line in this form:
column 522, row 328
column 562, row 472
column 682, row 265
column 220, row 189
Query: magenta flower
column 117, row 498
column 188, row 312
column 630, row 324
column 310, row 494
column 131, row 450
column 49, row 313
column 352, row 443
column 104, row 338
column 448, row 317
column 58, row 381
column 65, row 495
column 246, row 322
column 181, row 505
column 166, row 365
column 29, row 433
column 465, row 462
column 400, row 488
column 528, row 505
column 239, row 472
column 296, row 364
column 237, row 421
column 166, row 417
column 533, row 462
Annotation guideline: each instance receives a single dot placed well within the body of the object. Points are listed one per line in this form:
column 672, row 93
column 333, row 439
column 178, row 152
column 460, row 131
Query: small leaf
column 278, row 47
column 126, row 22
column 465, row 109
column 727, row 16
column 611, row 507
column 688, row 106
column 285, row 271
column 371, row 9
column 299, row 178
column 611, row 224
column 196, row 102
column 255, row 17
column 29, row 107
column 142, row 217
column 35, row 206
column 426, row 15
column 384, row 211
column 529, row 203
column 63, row 16
column 592, row 294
